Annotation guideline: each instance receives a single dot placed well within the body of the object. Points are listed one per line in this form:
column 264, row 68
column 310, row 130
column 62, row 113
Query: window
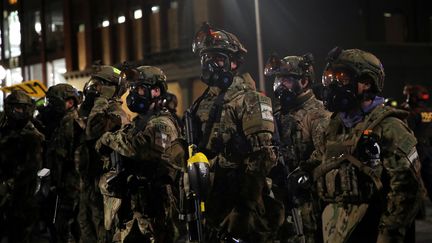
column 54, row 26
column 12, row 34
column 13, row 76
column 395, row 27
column 55, row 70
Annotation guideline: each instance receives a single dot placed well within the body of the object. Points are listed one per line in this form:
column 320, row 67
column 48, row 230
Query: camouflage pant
column 254, row 221
column 149, row 216
column 90, row 215
column 310, row 223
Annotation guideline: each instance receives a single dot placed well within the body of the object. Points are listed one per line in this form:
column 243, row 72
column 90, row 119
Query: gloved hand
column 101, row 145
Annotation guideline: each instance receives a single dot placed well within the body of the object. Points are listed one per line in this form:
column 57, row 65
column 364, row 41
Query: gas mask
column 340, row 91
column 19, row 114
column 216, row 70
column 139, row 98
column 286, row 95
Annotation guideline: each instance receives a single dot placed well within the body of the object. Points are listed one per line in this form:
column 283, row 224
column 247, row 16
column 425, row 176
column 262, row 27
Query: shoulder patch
column 258, row 115
column 266, row 111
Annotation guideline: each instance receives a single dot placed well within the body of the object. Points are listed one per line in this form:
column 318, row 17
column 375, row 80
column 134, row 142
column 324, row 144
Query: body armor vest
column 347, row 174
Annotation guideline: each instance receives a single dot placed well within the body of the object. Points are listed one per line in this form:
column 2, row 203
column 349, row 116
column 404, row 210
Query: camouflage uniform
column 146, row 191
column 301, row 131
column 63, row 148
column 301, row 121
column 234, row 126
column 241, row 154
column 368, row 177
column 105, row 115
column 21, row 157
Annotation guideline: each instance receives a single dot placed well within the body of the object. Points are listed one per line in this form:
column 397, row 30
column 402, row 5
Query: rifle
column 295, row 212
column 194, row 186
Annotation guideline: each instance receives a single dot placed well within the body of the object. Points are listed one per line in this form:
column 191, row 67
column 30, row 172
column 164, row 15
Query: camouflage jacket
column 105, row 116
column 145, row 142
column 241, row 132
column 62, row 150
column 234, row 129
column 20, row 158
column 346, row 176
column 301, row 130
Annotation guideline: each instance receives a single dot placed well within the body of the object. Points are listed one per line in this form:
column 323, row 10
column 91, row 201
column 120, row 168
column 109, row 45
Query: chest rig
column 295, row 147
column 219, row 133
column 348, row 172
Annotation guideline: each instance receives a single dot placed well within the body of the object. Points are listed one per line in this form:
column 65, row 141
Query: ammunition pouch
column 346, row 180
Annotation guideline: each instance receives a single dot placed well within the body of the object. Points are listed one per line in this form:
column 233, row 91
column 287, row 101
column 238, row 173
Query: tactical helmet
column 107, row 73
column 361, row 63
column 296, row 66
column 104, row 76
column 415, row 94
column 64, row 92
column 146, row 77
column 211, row 39
column 19, row 98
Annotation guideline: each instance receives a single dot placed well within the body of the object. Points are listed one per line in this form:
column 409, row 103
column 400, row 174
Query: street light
column 259, row 47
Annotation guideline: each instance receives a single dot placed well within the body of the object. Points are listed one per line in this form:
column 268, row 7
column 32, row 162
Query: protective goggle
column 93, row 86
column 217, row 58
column 280, row 80
column 340, row 77
column 132, row 75
column 19, row 106
column 139, row 88
column 273, row 65
column 277, row 66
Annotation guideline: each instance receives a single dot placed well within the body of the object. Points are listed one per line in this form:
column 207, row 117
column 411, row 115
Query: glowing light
column 138, row 14
column 387, row 15
column 155, row 9
column 38, row 27
column 105, row 23
column 121, row 19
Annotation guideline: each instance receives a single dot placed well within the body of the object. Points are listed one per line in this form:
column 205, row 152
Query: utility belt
column 346, row 179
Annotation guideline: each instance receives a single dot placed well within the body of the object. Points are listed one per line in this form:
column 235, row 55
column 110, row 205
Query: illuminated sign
column 33, row 88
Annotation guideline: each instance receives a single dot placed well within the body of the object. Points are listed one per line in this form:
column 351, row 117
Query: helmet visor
column 272, row 66
column 139, row 88
column 340, row 77
column 216, row 59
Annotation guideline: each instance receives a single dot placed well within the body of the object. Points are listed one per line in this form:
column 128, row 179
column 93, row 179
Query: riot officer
column 144, row 176
column 20, row 158
column 64, row 130
column 233, row 126
column 102, row 112
column 301, row 121
column 420, row 121
column 368, row 177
